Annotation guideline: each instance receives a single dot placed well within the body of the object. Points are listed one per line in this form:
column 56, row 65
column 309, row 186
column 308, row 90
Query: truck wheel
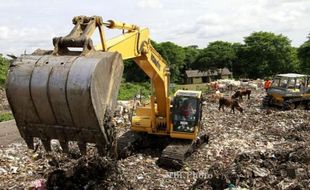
column 267, row 101
column 307, row 105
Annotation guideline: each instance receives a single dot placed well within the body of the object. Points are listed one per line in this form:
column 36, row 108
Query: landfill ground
column 259, row 149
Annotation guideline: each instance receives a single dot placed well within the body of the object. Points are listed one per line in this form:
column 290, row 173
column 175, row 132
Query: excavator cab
column 186, row 113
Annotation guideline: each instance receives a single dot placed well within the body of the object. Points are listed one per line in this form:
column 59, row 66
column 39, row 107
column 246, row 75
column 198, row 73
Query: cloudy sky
column 30, row 24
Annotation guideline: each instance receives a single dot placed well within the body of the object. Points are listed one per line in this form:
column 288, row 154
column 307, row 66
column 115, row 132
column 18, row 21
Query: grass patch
column 6, row 117
column 129, row 90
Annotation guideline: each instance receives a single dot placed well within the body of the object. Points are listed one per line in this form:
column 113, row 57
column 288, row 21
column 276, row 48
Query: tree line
column 262, row 54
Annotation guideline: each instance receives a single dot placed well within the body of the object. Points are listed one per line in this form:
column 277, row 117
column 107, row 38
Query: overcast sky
column 30, row 24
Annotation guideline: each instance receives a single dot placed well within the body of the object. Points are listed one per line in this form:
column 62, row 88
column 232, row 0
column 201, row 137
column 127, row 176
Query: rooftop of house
column 197, row 73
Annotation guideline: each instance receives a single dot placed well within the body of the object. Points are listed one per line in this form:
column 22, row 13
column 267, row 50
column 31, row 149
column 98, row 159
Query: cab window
column 185, row 108
column 291, row 83
column 185, row 114
column 275, row 82
column 283, row 83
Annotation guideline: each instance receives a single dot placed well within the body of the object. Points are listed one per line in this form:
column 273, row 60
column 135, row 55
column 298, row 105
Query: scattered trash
column 139, row 177
column 13, row 169
column 38, row 184
column 259, row 149
column 2, row 171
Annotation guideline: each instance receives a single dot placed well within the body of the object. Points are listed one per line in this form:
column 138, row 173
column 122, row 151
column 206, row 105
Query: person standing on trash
column 267, row 84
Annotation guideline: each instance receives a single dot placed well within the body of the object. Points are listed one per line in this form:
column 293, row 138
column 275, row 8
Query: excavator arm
column 136, row 44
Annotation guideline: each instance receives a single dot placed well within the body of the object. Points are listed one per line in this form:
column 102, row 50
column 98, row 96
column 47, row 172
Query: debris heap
column 259, row 149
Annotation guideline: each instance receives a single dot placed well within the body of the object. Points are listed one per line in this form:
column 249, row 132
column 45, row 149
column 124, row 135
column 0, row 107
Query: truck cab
column 288, row 91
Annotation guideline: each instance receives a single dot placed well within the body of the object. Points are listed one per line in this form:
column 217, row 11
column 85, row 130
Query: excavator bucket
column 65, row 97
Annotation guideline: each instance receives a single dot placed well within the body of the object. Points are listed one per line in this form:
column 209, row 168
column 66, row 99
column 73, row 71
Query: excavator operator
column 187, row 109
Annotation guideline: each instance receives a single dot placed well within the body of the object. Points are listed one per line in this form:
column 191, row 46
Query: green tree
column 304, row 56
column 239, row 67
column 218, row 54
column 133, row 73
column 191, row 54
column 266, row 54
column 4, row 64
column 178, row 59
column 175, row 58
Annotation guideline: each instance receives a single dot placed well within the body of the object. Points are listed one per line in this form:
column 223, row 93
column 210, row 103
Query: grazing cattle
column 232, row 103
column 222, row 87
column 253, row 86
column 240, row 93
column 216, row 96
column 214, row 86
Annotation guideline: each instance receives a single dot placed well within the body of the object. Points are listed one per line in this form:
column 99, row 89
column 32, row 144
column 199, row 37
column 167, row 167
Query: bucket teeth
column 64, row 146
column 82, row 147
column 47, row 144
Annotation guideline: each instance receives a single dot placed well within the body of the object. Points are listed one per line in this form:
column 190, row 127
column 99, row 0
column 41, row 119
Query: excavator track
column 175, row 154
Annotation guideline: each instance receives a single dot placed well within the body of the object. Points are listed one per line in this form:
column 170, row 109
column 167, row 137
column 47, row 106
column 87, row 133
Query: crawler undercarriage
column 174, row 151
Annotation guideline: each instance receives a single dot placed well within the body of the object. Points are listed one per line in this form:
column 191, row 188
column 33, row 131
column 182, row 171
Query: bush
column 4, row 65
column 129, row 90
column 6, row 116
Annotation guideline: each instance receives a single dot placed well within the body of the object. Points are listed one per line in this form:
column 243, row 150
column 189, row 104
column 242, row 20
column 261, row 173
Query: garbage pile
column 231, row 84
column 88, row 172
column 36, row 169
column 259, row 149
column 281, row 168
column 122, row 113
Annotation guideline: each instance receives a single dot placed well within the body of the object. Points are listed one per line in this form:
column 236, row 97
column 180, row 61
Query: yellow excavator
column 70, row 93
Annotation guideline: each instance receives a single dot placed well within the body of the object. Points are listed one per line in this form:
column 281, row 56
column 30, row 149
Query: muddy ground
column 258, row 149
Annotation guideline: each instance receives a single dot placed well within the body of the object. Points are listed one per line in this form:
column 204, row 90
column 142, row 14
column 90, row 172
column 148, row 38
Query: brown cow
column 240, row 93
column 228, row 102
column 216, row 96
